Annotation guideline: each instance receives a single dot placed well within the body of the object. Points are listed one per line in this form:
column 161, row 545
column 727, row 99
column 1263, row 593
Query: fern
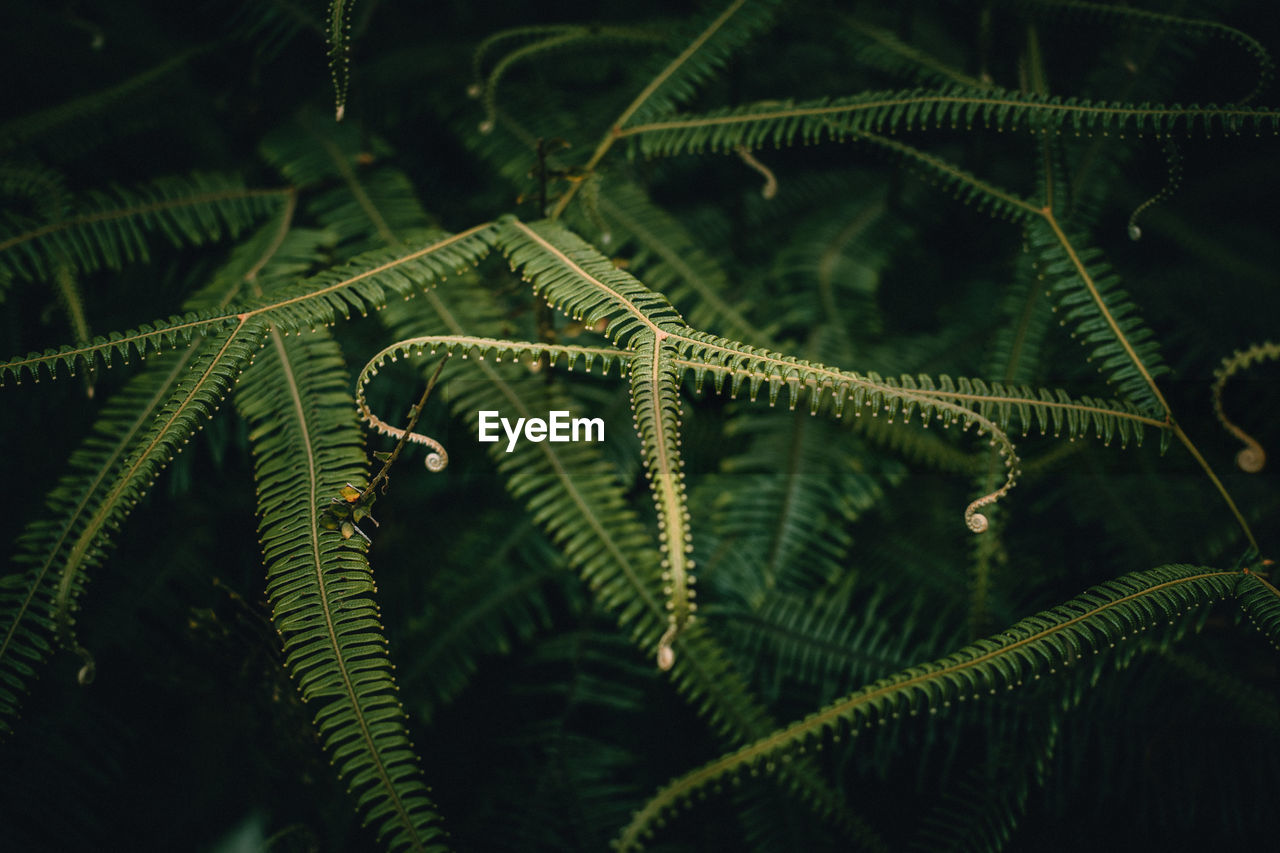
column 859, row 328
column 320, row 584
column 136, row 436
column 840, row 119
column 1089, row 299
column 108, row 230
column 1091, row 623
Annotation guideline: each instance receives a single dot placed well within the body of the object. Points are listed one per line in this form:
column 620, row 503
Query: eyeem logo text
column 557, row 427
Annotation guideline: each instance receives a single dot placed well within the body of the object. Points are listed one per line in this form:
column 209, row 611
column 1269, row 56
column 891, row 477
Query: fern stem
column 1222, row 490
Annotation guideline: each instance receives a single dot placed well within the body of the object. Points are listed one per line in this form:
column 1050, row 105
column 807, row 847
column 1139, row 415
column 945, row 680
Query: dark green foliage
column 873, row 555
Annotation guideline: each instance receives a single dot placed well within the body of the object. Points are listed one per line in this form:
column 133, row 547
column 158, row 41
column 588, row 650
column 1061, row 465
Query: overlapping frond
column 577, row 280
column 1100, row 314
column 363, row 285
column 136, row 436
column 668, row 259
column 779, row 123
column 829, row 639
column 783, row 509
column 306, row 448
column 1260, row 601
column 110, row 228
column 1089, row 624
column 708, row 41
column 139, row 430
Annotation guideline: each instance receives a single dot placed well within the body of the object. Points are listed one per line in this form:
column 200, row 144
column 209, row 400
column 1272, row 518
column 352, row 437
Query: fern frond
column 363, row 285
column 502, row 602
column 555, row 38
column 1252, row 458
column 1089, row 624
column 779, row 123
column 1260, row 601
column 783, row 509
column 1089, row 300
column 367, row 283
column 671, row 263
column 138, row 433
column 655, row 399
column 306, row 447
column 580, row 282
column 338, row 35
column 964, row 185
column 670, row 82
column 109, row 228
column 829, row 639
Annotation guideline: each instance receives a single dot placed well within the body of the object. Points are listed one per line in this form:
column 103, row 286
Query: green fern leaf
column 1089, row 300
column 139, row 433
column 1260, row 601
column 580, row 282
column 109, row 229
column 1089, row 624
column 306, row 447
column 139, row 430
column 779, row 123
column 710, row 42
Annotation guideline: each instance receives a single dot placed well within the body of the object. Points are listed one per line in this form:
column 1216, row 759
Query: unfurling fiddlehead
column 1252, row 457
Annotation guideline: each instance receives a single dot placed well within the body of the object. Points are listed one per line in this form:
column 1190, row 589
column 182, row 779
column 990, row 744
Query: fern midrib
column 109, row 504
column 141, row 210
column 816, row 722
column 918, row 395
column 317, row 562
column 667, row 485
